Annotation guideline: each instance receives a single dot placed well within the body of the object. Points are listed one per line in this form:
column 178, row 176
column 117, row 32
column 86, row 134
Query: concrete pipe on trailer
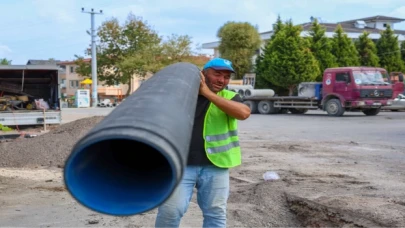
column 241, row 92
column 244, row 87
column 259, row 93
column 134, row 158
column 240, row 89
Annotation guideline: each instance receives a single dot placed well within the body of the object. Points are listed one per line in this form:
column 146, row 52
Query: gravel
column 49, row 149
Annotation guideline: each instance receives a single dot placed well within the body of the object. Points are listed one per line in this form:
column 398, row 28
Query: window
column 342, row 77
column 72, row 69
column 74, row 84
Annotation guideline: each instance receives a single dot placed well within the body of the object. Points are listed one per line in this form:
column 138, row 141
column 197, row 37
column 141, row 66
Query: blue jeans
column 212, row 184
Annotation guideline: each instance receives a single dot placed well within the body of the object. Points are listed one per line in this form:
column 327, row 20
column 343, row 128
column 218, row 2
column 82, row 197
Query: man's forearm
column 235, row 109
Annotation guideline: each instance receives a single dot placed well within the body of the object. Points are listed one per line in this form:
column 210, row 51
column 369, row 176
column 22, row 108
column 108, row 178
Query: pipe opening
column 120, row 177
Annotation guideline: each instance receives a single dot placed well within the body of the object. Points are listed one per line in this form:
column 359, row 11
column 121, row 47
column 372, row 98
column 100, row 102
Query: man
column 214, row 149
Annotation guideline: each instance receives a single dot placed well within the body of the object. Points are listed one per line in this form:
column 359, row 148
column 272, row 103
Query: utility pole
column 93, row 56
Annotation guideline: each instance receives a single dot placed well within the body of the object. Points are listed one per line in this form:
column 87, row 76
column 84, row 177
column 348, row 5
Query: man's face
column 217, row 80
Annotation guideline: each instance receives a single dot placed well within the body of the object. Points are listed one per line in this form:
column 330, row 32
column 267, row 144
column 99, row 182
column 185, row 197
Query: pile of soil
column 260, row 205
column 50, row 149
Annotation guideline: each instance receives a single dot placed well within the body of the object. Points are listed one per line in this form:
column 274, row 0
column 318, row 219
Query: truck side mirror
column 401, row 77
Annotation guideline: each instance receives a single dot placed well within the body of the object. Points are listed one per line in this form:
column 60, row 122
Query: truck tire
column 266, row 107
column 371, row 111
column 252, row 105
column 298, row 110
column 334, row 108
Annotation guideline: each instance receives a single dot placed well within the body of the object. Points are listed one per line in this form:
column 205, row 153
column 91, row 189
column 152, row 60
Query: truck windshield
column 369, row 78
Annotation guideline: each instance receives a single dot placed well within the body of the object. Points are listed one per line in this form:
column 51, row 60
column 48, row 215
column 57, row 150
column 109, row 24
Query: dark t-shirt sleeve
column 237, row 98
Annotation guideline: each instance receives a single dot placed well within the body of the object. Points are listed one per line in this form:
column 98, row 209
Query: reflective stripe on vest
column 224, row 148
column 220, row 137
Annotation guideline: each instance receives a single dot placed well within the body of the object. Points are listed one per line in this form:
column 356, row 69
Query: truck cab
column 355, row 88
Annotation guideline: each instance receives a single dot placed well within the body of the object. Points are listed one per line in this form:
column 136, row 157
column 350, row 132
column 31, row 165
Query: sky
column 43, row 29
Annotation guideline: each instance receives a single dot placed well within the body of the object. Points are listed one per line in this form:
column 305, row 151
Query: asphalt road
column 387, row 128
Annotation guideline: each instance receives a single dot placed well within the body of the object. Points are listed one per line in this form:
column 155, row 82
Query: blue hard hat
column 219, row 64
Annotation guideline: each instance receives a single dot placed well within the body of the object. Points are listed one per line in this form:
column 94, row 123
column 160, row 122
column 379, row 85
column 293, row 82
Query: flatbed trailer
column 275, row 105
column 290, row 101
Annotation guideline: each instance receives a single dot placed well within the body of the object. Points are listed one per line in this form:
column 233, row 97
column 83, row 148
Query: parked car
column 397, row 104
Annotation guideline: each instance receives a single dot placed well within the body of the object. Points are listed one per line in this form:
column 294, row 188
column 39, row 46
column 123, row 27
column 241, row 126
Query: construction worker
column 214, row 149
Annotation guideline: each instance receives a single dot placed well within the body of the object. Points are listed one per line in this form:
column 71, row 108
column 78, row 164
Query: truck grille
column 376, row 93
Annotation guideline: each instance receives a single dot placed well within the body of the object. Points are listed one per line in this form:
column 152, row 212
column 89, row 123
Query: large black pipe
column 134, row 158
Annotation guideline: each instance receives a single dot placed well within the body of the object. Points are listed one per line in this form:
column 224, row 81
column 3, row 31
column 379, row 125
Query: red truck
column 342, row 89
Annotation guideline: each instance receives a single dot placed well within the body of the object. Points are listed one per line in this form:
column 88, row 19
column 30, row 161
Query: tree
column 288, row 60
column 343, row 49
column 403, row 51
column 260, row 65
column 321, row 47
column 389, row 52
column 278, row 26
column 177, row 48
column 367, row 50
column 239, row 42
column 124, row 51
column 5, row 61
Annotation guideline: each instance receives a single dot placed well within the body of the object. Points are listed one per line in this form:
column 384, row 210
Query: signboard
column 83, row 98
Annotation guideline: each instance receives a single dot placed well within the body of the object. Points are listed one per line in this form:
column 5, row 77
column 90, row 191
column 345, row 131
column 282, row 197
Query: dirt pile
column 260, row 205
column 50, row 149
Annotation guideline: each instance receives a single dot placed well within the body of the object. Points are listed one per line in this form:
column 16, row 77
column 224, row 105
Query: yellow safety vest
column 221, row 135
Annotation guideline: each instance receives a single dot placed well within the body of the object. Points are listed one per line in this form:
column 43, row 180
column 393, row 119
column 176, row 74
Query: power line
column 93, row 56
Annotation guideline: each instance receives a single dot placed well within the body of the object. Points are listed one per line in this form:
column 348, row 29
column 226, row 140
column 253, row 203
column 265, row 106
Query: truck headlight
column 362, row 103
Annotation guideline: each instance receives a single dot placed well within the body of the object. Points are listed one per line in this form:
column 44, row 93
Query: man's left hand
column 204, row 90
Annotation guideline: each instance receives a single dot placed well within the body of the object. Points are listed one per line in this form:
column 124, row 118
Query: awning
column 86, row 81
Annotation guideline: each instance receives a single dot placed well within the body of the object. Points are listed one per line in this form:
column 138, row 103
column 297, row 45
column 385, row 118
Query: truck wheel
column 298, row 110
column 372, row 111
column 266, row 107
column 334, row 107
column 252, row 105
